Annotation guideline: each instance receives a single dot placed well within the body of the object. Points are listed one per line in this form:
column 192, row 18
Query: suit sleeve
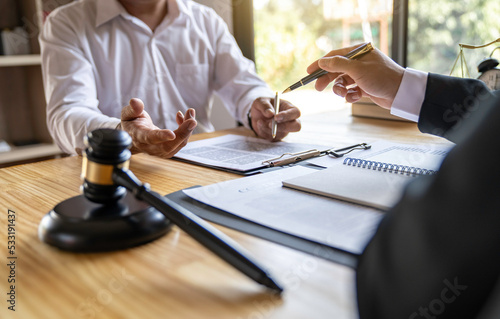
column 448, row 100
column 436, row 254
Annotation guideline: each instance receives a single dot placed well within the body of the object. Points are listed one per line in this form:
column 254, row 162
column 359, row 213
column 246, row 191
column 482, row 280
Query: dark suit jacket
column 436, row 254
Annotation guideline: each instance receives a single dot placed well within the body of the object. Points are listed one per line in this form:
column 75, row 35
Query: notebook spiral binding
column 387, row 167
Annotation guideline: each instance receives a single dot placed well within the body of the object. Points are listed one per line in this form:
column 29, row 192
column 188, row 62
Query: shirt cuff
column 410, row 96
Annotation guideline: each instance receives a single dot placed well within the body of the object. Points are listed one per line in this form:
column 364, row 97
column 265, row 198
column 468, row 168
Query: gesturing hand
column 148, row 138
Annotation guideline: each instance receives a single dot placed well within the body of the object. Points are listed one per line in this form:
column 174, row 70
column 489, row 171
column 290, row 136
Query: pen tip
column 271, row 284
column 286, row 91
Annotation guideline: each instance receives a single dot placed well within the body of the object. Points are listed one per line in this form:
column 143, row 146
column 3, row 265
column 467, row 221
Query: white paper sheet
column 262, row 199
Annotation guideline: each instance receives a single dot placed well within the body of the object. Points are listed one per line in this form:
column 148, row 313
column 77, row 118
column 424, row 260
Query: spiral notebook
column 376, row 180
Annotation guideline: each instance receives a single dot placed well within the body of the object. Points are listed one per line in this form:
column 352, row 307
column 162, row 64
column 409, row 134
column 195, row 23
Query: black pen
column 201, row 231
column 359, row 51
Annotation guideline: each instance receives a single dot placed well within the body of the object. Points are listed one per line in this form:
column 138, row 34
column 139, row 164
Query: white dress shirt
column 96, row 57
column 410, row 95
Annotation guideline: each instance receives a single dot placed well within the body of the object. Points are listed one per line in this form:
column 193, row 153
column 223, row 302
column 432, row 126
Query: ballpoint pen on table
column 359, row 51
column 276, row 111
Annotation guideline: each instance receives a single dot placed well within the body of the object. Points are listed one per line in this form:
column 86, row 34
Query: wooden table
column 174, row 276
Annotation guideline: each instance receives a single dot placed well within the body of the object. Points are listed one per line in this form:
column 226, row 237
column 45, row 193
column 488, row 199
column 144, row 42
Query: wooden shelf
column 22, row 153
column 20, row 60
column 22, row 99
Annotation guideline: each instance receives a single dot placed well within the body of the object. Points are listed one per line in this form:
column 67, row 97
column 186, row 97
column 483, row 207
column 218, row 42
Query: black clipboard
column 223, row 218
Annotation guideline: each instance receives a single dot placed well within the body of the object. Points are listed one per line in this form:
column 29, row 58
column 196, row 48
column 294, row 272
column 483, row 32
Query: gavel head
column 106, row 150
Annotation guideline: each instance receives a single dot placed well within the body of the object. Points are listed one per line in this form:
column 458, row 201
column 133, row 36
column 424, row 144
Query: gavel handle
column 200, row 230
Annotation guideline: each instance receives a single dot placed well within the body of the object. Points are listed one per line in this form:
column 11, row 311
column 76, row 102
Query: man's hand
column 148, row 138
column 373, row 75
column 262, row 113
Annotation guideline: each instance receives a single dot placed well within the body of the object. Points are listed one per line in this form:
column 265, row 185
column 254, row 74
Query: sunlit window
column 291, row 34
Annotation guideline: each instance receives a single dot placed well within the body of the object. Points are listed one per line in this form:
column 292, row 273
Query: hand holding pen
column 314, row 75
column 353, row 54
column 262, row 114
column 373, row 75
column 318, row 72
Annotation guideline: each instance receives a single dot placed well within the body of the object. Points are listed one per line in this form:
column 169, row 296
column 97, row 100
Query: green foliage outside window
column 285, row 41
column 436, row 28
